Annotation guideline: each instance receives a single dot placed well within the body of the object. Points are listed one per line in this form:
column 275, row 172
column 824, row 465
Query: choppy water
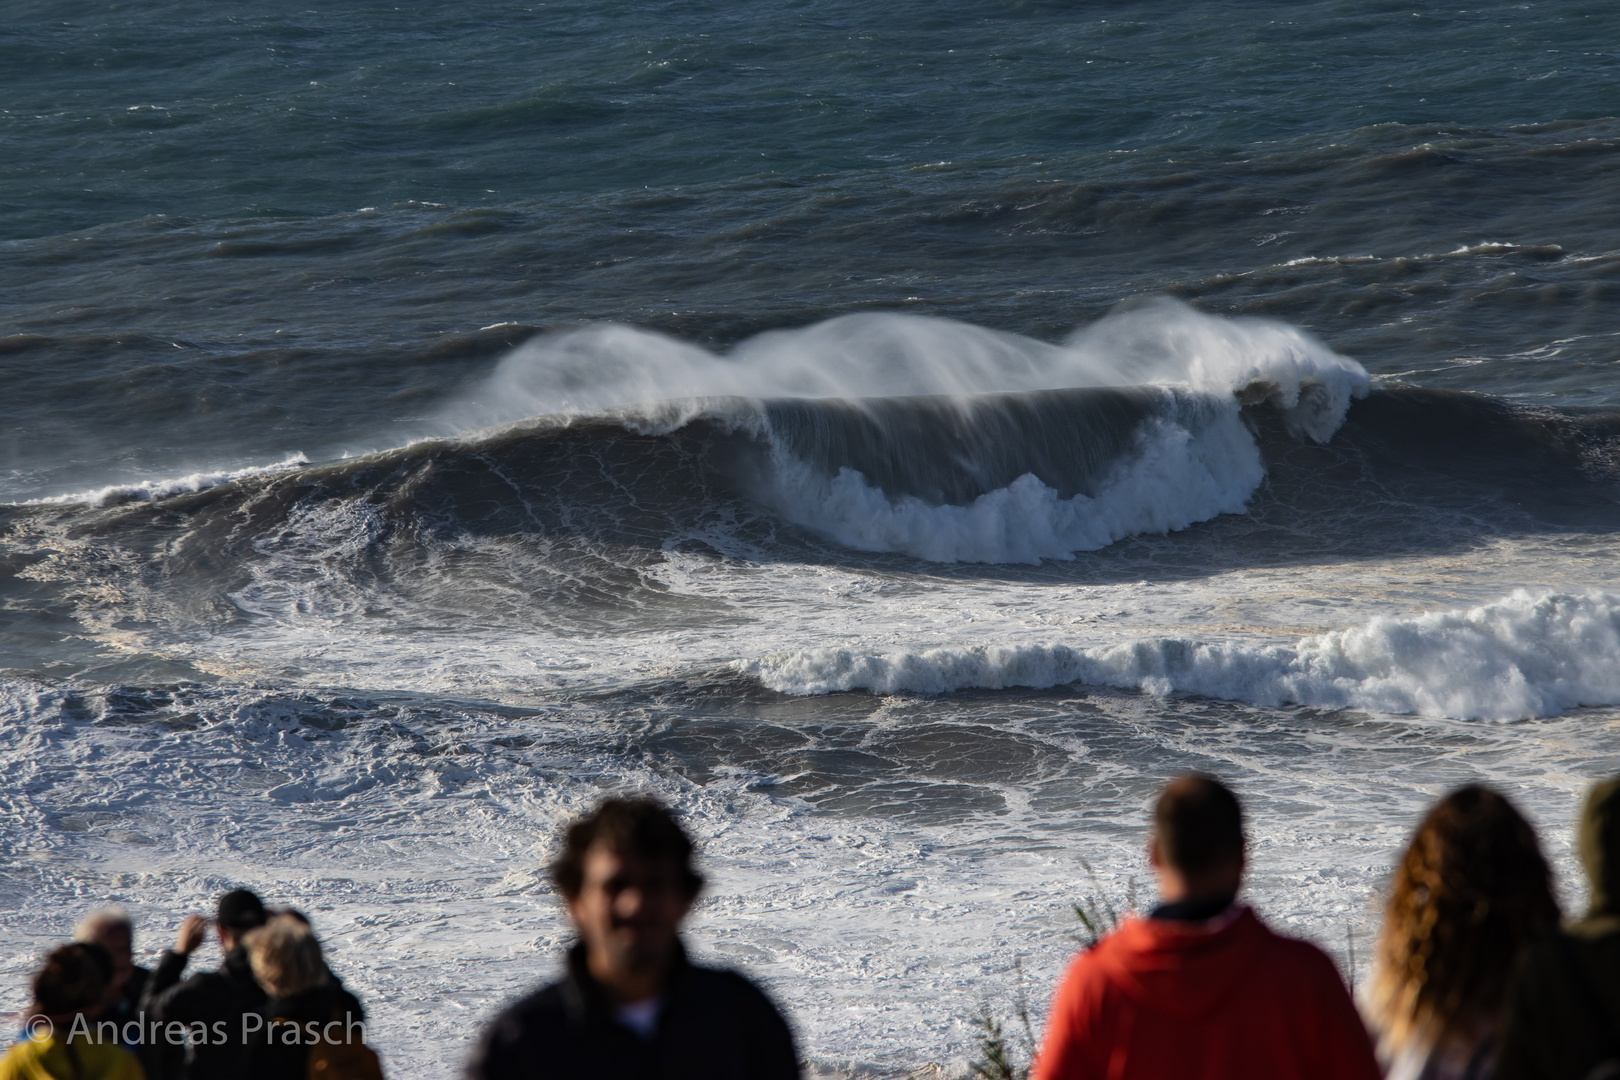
column 900, row 435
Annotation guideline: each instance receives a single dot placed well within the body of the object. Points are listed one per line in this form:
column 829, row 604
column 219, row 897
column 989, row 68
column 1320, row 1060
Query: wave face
column 1524, row 656
column 1014, row 478
column 924, row 437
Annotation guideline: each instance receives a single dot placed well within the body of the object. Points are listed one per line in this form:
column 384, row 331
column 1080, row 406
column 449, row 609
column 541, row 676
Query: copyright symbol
column 39, row 1028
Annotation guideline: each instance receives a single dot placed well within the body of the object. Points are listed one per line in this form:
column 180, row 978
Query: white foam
column 148, row 490
column 1176, row 476
column 1183, row 469
column 1524, row 656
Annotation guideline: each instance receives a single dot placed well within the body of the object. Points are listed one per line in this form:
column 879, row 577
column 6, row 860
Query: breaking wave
column 1527, row 655
column 891, row 433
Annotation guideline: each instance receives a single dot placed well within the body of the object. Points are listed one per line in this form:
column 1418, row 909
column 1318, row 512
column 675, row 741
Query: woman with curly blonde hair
column 1470, row 892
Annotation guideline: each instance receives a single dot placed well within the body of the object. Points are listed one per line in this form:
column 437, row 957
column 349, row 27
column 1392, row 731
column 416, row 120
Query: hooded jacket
column 1225, row 999
column 713, row 1025
column 1563, row 1013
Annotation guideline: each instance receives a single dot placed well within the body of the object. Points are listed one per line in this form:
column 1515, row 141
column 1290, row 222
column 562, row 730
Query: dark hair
column 73, row 978
column 1469, row 893
column 1198, row 823
column 628, row 827
column 241, row 909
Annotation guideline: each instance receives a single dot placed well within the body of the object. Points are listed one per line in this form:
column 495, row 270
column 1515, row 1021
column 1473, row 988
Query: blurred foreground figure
column 1471, row 891
column 209, row 1006
column 1563, row 1016
column 311, row 1026
column 64, row 1043
column 112, row 929
column 1201, row 989
column 630, row 1004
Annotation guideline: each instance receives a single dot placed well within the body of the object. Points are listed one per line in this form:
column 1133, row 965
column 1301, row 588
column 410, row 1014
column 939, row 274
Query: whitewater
column 389, row 676
column 898, row 436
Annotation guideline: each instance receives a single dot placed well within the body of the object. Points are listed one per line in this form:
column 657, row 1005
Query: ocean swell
column 950, row 442
column 1524, row 656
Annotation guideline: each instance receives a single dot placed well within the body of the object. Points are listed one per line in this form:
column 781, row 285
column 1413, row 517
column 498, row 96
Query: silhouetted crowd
column 1475, row 976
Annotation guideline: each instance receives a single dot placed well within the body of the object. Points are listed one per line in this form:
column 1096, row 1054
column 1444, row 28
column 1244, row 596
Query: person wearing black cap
column 216, row 1000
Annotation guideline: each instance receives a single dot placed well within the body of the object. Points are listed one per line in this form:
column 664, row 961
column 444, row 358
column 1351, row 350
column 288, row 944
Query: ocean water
column 899, row 435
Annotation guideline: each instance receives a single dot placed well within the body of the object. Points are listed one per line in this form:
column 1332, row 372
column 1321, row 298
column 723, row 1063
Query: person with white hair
column 114, row 930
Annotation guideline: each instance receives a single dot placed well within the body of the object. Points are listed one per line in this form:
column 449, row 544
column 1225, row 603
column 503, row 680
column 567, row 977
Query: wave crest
column 1524, row 656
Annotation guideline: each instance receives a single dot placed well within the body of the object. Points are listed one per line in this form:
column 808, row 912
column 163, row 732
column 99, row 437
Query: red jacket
column 1225, row 1000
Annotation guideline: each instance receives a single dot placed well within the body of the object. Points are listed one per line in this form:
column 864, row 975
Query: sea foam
column 149, row 490
column 1176, row 475
column 1192, row 460
column 1523, row 656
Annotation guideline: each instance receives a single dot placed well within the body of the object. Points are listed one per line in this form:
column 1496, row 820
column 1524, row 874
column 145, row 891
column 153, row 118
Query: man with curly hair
column 629, row 1003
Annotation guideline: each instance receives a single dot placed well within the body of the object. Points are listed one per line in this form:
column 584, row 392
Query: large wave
column 886, row 433
column 1524, row 656
column 952, row 442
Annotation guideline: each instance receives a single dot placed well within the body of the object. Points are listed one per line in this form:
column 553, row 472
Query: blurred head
column 1598, row 840
column 285, row 955
column 73, row 979
column 1197, row 844
column 626, row 875
column 111, row 928
column 240, row 910
column 1470, row 890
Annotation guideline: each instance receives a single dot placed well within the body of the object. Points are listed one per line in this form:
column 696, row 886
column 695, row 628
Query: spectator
column 1563, row 1017
column 70, row 992
column 1201, row 988
column 216, row 1000
column 310, row 1026
column 1470, row 892
column 111, row 928
column 630, row 1003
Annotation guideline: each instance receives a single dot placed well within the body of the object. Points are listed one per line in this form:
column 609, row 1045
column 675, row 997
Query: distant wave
column 1524, row 656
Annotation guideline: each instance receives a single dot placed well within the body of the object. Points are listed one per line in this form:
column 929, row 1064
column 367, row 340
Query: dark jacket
column 216, row 999
column 714, row 1025
column 127, row 1010
column 277, row 1052
column 1563, row 1016
column 129, row 1002
column 1563, row 1011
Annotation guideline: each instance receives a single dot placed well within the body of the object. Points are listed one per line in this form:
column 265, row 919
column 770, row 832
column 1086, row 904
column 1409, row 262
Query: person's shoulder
column 518, row 1032
column 1093, row 973
column 109, row 1061
column 728, row 982
column 1296, row 958
column 22, row 1060
column 544, row 1005
column 345, row 1000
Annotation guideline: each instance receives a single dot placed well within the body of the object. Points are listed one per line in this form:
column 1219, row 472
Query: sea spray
column 937, row 439
column 1161, row 342
column 1527, row 655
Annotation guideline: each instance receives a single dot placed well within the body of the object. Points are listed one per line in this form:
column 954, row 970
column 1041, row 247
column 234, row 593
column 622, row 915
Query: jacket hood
column 1183, row 969
column 1599, row 844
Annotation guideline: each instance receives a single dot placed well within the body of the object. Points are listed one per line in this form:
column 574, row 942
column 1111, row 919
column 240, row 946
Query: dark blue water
column 227, row 232
column 911, row 659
